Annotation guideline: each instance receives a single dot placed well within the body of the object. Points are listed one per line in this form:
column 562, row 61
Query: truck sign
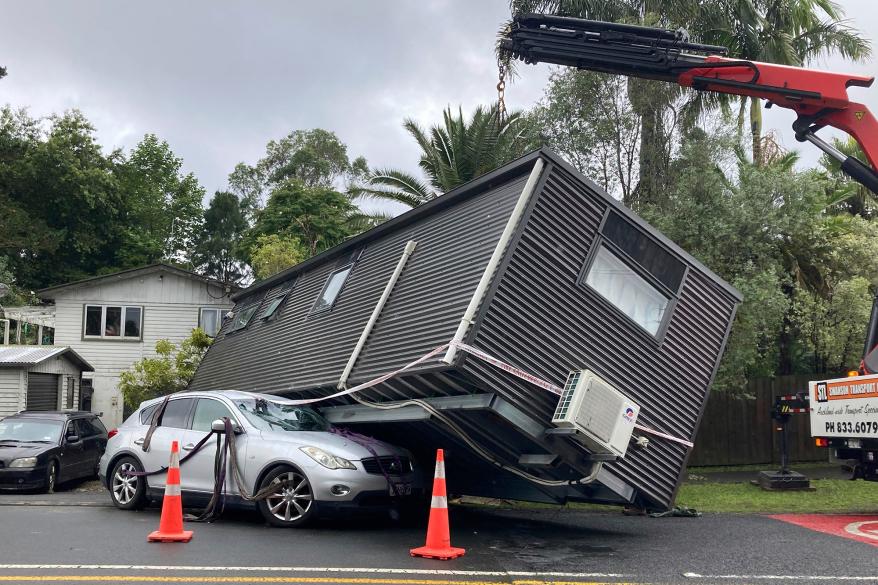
column 844, row 407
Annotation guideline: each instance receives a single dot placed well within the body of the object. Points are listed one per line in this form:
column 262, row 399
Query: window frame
column 103, row 336
column 219, row 320
column 673, row 296
column 233, row 416
column 253, row 307
column 319, row 311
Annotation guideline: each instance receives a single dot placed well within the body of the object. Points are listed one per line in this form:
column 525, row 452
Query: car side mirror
column 219, row 426
column 72, row 439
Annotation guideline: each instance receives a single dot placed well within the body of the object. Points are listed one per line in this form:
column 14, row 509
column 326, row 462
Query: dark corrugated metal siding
column 567, row 326
column 300, row 351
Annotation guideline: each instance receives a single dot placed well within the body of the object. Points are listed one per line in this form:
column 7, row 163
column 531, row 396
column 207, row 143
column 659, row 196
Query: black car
column 42, row 449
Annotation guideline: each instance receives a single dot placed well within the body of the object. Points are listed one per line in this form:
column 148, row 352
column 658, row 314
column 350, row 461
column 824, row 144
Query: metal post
column 784, row 454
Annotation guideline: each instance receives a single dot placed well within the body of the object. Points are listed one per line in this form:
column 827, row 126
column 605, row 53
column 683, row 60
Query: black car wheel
column 290, row 504
column 127, row 491
column 51, row 477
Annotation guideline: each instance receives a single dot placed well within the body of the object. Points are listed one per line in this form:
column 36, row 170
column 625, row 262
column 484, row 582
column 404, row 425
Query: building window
column 331, row 289
column 272, row 307
column 646, row 252
column 629, row 292
column 210, row 320
column 112, row 322
column 243, row 317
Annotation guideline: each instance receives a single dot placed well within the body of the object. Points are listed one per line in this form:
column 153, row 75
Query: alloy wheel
column 292, row 497
column 124, row 485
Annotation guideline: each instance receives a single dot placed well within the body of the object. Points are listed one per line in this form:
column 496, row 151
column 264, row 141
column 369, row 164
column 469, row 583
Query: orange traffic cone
column 438, row 544
column 171, row 524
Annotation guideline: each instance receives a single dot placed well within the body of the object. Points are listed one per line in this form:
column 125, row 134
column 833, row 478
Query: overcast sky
column 218, row 79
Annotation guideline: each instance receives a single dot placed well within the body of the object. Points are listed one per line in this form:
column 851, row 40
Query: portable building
column 532, row 264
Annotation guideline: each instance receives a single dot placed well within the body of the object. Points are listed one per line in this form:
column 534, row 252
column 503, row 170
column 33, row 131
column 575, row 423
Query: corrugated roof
column 47, row 293
column 25, row 355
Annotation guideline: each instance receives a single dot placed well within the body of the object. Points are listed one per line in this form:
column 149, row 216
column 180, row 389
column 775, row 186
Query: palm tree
column 789, row 32
column 453, row 153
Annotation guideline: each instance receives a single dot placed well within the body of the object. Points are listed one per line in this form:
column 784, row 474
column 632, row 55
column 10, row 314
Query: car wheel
column 127, row 491
column 51, row 477
column 290, row 503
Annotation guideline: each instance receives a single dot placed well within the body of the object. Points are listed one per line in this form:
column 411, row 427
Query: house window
column 210, row 320
column 331, row 289
column 243, row 317
column 270, row 309
column 629, row 292
column 646, row 252
column 112, row 322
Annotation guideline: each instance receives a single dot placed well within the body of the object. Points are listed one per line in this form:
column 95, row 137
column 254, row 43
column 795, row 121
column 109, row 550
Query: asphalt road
column 75, row 537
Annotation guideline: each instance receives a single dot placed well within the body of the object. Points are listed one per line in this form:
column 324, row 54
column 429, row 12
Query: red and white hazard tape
column 517, row 372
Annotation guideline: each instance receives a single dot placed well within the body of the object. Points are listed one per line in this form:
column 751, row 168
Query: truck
column 844, row 411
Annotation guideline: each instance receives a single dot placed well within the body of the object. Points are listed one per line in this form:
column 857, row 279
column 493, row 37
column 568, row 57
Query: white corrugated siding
column 11, row 391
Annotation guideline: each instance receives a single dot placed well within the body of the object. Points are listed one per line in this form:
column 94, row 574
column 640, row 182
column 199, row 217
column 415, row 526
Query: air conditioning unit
column 603, row 416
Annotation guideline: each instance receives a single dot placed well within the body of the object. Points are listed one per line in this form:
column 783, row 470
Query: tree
column 453, row 153
column 318, row 217
column 217, row 253
column 60, row 197
column 164, row 211
column 273, row 253
column 587, row 118
column 170, row 371
column 315, row 158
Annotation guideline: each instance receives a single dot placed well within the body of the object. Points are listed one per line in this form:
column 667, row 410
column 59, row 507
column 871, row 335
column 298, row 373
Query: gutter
column 494, row 262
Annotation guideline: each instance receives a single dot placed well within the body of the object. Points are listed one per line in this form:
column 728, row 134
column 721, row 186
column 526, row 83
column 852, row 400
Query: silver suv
column 314, row 466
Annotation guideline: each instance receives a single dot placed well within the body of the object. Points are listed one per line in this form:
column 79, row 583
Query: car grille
column 391, row 465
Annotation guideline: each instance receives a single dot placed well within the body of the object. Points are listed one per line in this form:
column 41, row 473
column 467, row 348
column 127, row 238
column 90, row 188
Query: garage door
column 42, row 391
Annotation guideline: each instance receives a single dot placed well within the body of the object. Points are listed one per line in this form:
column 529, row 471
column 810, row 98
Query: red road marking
column 861, row 528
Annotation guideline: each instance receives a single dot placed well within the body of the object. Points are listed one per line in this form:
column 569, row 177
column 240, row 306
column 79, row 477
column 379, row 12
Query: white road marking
column 783, row 577
column 349, row 570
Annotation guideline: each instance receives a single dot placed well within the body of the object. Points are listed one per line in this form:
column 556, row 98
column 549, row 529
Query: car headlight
column 24, row 462
column 327, row 460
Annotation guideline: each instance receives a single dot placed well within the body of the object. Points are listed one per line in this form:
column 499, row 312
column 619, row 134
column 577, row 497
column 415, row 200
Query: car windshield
column 30, row 431
column 267, row 415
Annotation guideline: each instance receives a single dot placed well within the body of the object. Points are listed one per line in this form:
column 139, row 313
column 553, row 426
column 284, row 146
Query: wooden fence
column 737, row 428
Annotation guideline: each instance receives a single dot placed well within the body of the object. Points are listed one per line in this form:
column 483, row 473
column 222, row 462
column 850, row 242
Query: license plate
column 402, row 489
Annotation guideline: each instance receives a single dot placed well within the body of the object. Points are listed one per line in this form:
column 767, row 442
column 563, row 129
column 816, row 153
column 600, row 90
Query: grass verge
column 830, row 495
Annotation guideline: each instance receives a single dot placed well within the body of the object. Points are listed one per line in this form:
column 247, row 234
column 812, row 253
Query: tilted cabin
column 532, row 264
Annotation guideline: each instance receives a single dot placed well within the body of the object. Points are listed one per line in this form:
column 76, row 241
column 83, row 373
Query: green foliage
column 314, row 158
column 453, row 153
column 163, row 205
column 318, row 217
column 587, row 118
column 217, row 253
column 68, row 211
column 170, row 371
column 60, row 199
column 273, row 253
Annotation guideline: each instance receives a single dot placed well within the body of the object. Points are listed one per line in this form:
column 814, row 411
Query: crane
column 819, row 98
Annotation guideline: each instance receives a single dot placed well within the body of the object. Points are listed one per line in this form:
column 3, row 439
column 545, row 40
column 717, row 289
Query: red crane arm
column 820, row 97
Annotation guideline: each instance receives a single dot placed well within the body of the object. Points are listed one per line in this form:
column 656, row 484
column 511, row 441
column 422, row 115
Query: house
column 534, row 265
column 39, row 378
column 114, row 320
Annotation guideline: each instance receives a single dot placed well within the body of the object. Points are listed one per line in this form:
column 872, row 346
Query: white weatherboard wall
column 13, row 385
column 171, row 305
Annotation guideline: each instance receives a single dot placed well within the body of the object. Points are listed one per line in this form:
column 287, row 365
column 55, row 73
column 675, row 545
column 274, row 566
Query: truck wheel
column 127, row 492
column 291, row 502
